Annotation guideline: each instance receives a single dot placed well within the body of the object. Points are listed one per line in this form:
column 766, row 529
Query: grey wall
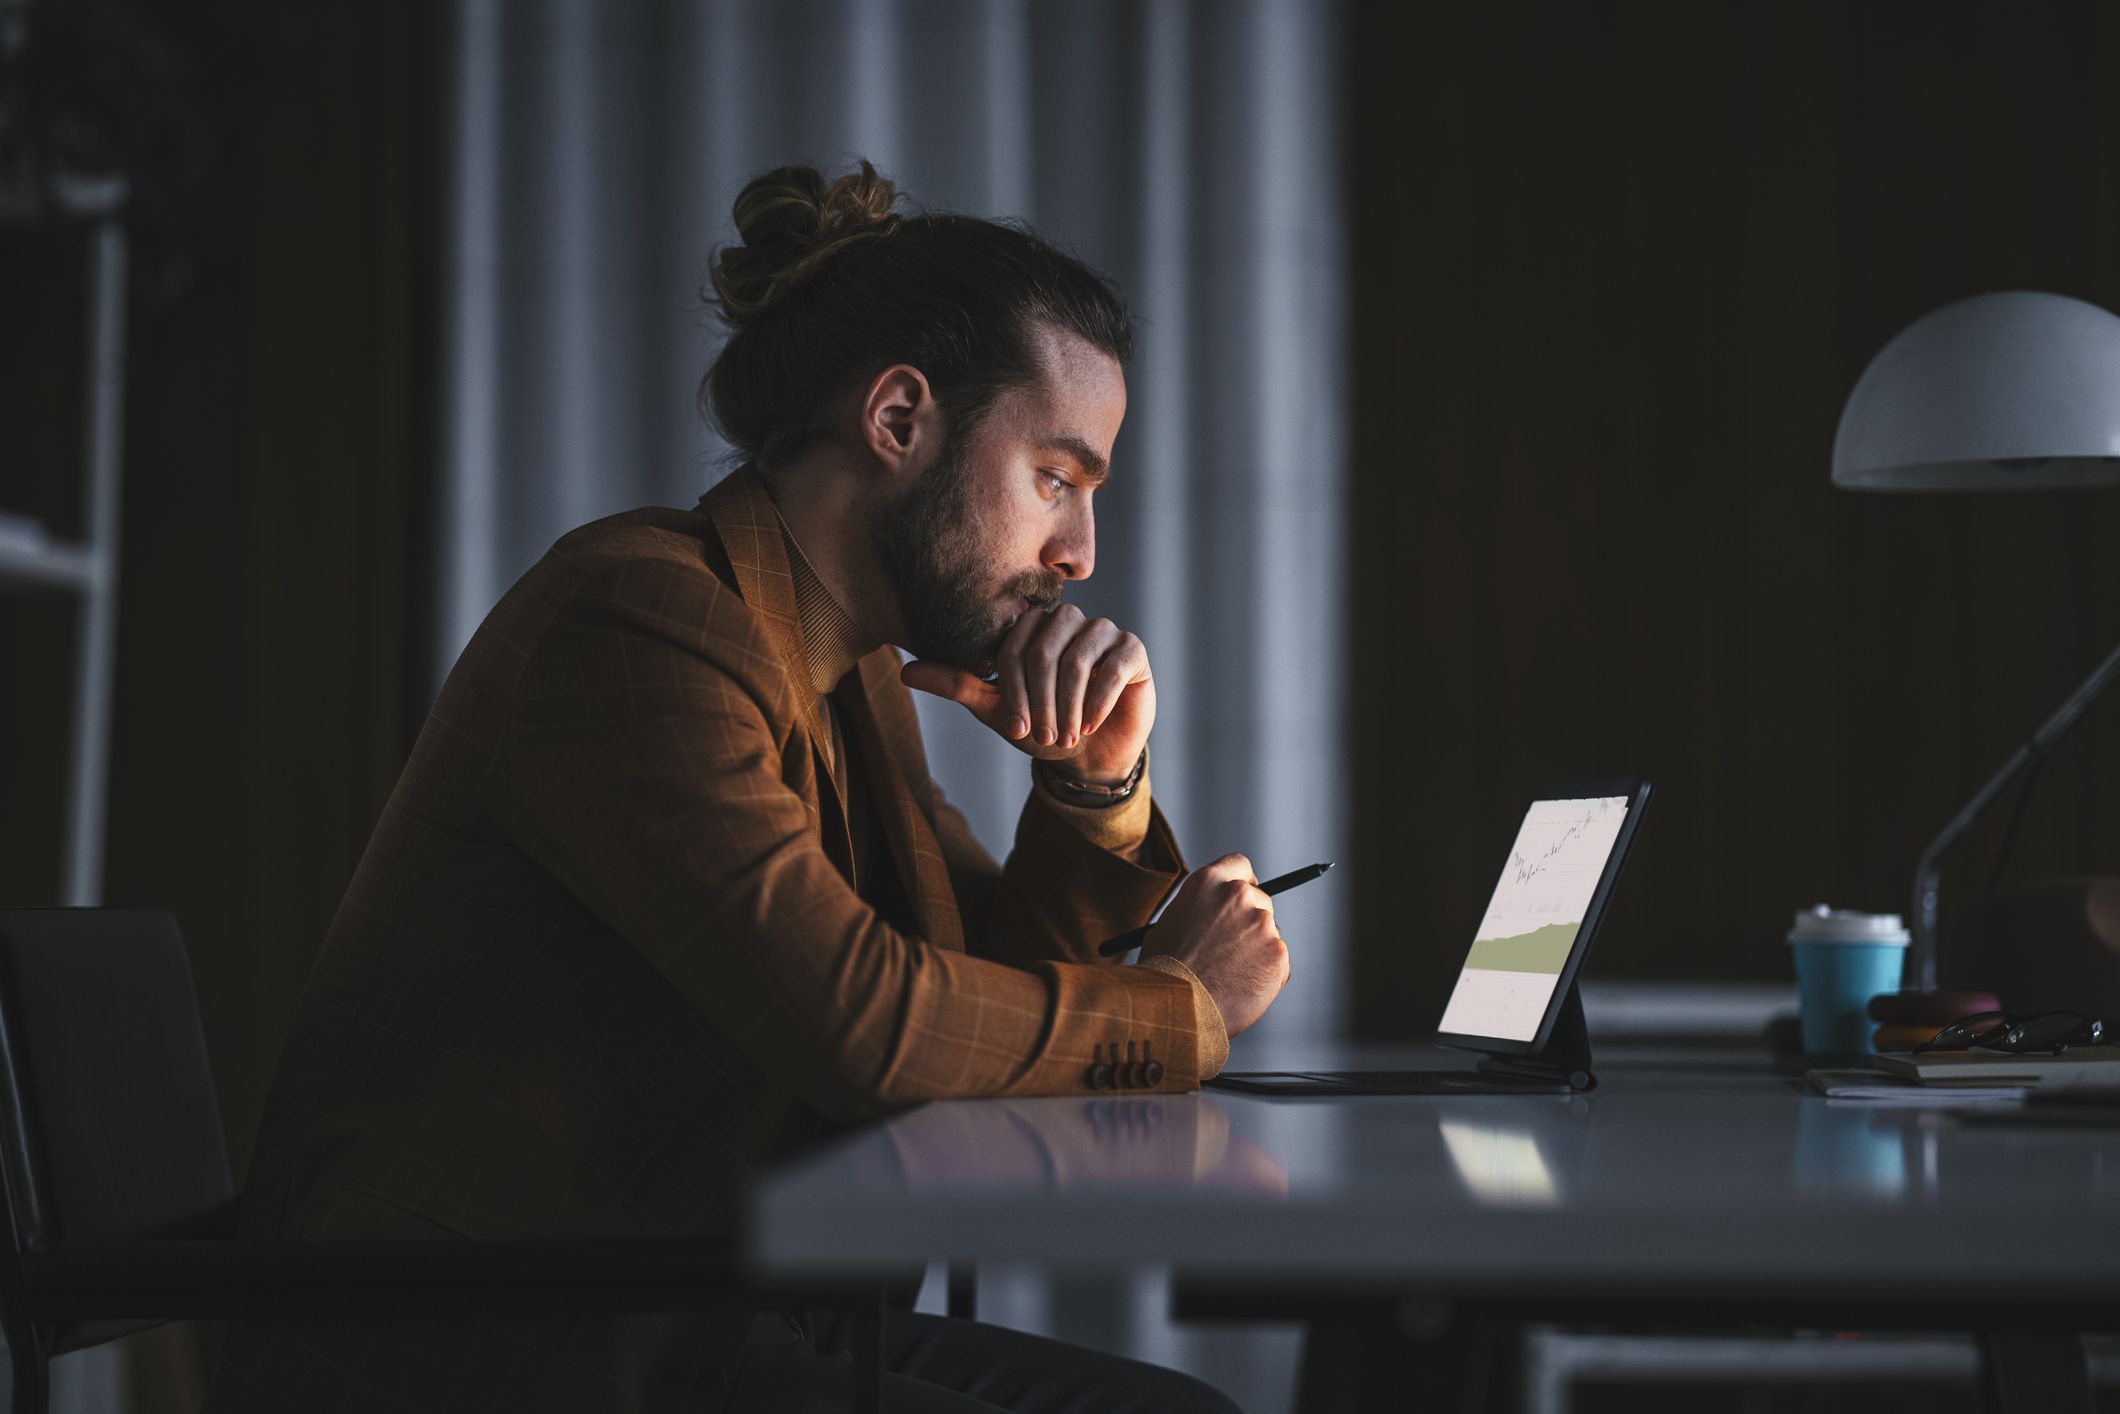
column 1188, row 150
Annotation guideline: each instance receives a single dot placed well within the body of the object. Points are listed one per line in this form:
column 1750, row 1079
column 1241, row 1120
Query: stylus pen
column 1125, row 942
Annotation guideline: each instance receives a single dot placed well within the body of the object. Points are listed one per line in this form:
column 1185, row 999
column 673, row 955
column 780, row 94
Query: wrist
column 1099, row 764
column 1069, row 783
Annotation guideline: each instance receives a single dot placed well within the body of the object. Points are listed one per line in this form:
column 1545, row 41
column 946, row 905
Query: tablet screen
column 1523, row 942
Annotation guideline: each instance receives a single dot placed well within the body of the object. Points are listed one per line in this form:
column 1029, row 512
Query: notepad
column 1951, row 1066
column 1876, row 1087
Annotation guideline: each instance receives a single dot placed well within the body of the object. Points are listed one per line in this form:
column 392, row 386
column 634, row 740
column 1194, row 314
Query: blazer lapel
column 878, row 714
column 751, row 533
column 877, row 717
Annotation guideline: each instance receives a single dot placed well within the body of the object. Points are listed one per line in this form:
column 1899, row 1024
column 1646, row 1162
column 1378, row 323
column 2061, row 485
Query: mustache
column 1043, row 590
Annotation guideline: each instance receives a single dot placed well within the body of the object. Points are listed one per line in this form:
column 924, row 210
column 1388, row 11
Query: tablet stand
column 1564, row 1059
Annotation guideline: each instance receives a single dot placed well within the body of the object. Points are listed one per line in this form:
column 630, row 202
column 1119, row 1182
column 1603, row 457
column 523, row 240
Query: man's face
column 1001, row 517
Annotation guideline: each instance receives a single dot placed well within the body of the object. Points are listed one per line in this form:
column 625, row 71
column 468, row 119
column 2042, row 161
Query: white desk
column 1689, row 1185
column 1705, row 1180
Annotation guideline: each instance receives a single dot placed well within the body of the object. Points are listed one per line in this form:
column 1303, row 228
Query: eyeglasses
column 2053, row 1031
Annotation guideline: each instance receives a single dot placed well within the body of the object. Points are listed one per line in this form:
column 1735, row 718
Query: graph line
column 1526, row 870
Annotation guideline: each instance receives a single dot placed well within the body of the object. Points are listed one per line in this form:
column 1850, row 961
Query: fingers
column 980, row 698
column 1232, row 881
column 1120, row 666
column 1041, row 671
column 1082, row 662
column 1061, row 674
column 1233, row 874
column 1014, row 707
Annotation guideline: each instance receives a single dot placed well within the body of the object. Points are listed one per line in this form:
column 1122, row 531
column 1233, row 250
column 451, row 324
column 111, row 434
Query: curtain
column 1188, row 150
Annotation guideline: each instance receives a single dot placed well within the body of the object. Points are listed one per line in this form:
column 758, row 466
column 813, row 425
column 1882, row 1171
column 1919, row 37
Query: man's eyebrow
column 1092, row 461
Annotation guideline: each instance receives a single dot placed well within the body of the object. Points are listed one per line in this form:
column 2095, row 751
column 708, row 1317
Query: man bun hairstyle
column 832, row 284
column 791, row 222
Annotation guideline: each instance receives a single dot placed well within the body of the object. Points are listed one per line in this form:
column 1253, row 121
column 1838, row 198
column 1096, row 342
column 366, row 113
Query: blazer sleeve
column 1060, row 894
column 641, row 766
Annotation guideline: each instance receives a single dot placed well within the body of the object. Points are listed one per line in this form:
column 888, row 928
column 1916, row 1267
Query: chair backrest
column 109, row 1130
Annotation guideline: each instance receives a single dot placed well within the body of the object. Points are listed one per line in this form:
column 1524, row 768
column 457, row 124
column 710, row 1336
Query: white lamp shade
column 2016, row 391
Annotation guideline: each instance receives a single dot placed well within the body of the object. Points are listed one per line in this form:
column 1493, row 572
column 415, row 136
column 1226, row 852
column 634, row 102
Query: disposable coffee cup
column 1844, row 958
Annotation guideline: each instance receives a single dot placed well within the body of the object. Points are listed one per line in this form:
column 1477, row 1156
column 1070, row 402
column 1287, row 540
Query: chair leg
column 29, row 1363
column 963, row 1290
column 2022, row 1371
column 868, row 1352
column 1400, row 1356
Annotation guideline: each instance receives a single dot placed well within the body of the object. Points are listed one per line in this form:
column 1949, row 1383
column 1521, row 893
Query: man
column 666, row 888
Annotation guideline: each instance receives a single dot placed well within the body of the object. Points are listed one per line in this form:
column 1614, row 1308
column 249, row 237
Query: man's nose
column 1073, row 553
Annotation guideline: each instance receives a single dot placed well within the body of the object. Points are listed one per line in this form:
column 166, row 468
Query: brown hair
column 831, row 283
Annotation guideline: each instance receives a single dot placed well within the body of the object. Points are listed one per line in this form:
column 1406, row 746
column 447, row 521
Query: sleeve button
column 1099, row 1074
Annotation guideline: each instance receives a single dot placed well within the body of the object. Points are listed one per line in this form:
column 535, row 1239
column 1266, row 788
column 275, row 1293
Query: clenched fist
column 1221, row 926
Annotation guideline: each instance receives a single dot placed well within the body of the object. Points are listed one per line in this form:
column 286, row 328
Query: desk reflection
column 1178, row 1141
column 1500, row 1164
column 1685, row 1177
column 1849, row 1151
column 1748, row 1143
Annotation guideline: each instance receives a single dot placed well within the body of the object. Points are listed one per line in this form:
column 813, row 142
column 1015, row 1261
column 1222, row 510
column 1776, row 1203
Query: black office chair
column 121, row 1212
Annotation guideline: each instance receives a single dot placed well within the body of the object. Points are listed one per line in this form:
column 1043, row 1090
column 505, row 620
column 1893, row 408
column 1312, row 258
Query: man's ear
column 899, row 417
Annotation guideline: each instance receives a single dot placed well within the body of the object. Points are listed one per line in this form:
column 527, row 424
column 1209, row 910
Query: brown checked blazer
column 602, row 959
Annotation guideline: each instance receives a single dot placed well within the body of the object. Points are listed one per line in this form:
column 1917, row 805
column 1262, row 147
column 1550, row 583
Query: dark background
column 278, row 396
column 1616, row 267
column 275, row 450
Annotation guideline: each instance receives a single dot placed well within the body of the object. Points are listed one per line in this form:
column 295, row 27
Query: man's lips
column 1017, row 603
column 1042, row 602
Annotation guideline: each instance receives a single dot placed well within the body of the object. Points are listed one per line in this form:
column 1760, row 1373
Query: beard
column 930, row 554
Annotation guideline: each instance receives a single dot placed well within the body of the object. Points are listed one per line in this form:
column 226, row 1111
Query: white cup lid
column 1821, row 924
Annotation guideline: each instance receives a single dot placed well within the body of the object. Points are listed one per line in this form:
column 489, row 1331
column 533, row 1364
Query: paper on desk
column 1875, row 1087
column 2088, row 1087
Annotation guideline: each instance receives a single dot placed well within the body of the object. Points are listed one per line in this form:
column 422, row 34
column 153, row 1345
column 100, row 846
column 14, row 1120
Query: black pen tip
column 1327, row 865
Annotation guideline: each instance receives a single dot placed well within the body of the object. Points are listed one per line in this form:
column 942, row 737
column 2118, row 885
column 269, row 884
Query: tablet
column 1555, row 883
column 1514, row 1001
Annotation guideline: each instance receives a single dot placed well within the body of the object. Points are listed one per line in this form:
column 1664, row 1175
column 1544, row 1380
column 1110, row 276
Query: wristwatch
column 1088, row 793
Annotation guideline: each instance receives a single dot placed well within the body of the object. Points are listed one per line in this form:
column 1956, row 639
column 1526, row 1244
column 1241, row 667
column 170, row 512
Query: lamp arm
column 1921, row 956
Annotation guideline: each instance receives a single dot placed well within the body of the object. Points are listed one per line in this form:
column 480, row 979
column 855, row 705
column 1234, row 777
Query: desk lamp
column 2015, row 391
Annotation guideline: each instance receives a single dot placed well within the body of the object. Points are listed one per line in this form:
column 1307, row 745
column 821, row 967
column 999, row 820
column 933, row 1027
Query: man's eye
column 1058, row 485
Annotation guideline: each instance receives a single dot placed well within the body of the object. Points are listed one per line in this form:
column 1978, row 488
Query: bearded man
column 666, row 889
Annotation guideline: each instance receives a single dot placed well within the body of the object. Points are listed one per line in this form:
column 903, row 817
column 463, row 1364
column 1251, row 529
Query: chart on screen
column 1539, row 904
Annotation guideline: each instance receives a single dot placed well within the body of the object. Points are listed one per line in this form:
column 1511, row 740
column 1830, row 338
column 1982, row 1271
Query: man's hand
column 1070, row 689
column 1221, row 926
